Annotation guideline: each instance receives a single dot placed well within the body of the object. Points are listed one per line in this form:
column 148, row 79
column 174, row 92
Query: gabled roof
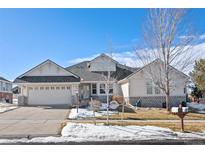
column 82, row 70
column 151, row 63
column 48, row 60
column 106, row 56
column 39, row 79
column 3, row 79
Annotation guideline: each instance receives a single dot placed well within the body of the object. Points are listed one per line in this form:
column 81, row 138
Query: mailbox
column 180, row 112
column 177, row 109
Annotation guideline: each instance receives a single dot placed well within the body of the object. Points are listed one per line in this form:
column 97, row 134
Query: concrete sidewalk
column 32, row 122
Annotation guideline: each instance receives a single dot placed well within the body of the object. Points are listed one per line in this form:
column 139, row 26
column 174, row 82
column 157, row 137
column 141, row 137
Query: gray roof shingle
column 3, row 79
column 43, row 79
column 82, row 70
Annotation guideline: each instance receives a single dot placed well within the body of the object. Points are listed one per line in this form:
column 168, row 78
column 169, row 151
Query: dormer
column 102, row 63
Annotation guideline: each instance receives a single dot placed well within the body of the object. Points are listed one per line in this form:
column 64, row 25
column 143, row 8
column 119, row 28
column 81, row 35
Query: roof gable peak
column 37, row 70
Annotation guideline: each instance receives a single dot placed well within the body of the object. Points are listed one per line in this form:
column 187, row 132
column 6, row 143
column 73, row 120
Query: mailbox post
column 181, row 112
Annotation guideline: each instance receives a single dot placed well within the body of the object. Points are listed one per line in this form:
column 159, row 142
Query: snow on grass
column 6, row 107
column 87, row 113
column 78, row 132
column 90, row 132
column 197, row 106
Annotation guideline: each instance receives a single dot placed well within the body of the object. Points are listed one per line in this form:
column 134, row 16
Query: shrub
column 119, row 99
column 95, row 105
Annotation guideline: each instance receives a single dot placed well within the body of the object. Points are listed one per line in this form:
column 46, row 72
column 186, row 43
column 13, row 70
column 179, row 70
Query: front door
column 86, row 92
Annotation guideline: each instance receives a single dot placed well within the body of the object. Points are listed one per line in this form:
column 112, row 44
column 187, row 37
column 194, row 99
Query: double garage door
column 49, row 95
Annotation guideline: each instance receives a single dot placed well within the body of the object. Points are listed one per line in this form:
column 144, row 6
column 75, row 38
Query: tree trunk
column 107, row 109
column 167, row 86
column 167, row 102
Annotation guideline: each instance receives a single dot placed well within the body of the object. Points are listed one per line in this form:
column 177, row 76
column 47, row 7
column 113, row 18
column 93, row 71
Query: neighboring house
column 49, row 83
column 5, row 90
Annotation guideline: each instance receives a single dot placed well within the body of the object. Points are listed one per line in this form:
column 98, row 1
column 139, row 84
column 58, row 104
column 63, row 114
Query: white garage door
column 49, row 95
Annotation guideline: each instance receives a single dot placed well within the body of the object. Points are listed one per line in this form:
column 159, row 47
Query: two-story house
column 5, row 90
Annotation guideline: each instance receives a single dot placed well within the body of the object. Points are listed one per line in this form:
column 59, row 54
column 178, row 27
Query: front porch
column 96, row 90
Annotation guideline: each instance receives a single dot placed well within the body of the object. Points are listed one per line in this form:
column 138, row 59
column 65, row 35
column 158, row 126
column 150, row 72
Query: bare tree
column 107, row 90
column 168, row 38
column 95, row 106
column 107, row 77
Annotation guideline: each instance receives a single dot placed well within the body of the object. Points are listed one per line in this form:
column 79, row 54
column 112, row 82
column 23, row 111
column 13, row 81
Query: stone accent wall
column 4, row 96
column 156, row 101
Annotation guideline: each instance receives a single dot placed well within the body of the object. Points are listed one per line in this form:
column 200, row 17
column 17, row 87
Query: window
column 157, row 90
column 1, row 85
column 36, row 88
column 52, row 88
column 152, row 88
column 57, row 88
column 4, row 87
column 149, row 87
column 47, row 88
column 110, row 88
column 94, row 88
column 7, row 87
column 63, row 88
column 102, row 88
column 184, row 90
column 68, row 88
column 41, row 88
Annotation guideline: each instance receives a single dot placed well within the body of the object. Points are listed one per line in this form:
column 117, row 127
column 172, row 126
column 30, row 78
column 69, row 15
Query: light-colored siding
column 125, row 89
column 117, row 89
column 48, row 69
column 138, row 85
column 102, row 64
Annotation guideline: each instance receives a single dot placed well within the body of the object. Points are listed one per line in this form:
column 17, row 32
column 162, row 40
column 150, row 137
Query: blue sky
column 30, row 36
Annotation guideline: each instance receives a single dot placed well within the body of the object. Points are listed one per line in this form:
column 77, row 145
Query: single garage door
column 49, row 95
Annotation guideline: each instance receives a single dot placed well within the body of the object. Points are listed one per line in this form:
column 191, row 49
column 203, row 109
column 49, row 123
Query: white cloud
column 197, row 37
column 129, row 58
column 187, row 37
column 126, row 58
column 78, row 60
column 202, row 37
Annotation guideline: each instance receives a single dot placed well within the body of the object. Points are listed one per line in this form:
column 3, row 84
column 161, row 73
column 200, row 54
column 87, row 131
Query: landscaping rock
column 127, row 108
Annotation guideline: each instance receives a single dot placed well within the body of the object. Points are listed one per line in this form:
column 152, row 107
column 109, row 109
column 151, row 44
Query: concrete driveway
column 32, row 121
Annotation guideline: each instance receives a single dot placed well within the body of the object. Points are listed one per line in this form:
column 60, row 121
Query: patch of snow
column 103, row 106
column 78, row 132
column 92, row 132
column 86, row 113
column 197, row 106
column 6, row 107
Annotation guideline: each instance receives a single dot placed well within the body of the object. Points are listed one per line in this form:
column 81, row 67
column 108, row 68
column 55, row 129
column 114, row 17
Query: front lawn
column 153, row 114
column 175, row 126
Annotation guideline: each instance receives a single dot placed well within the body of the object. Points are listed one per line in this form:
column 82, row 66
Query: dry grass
column 153, row 114
column 189, row 127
